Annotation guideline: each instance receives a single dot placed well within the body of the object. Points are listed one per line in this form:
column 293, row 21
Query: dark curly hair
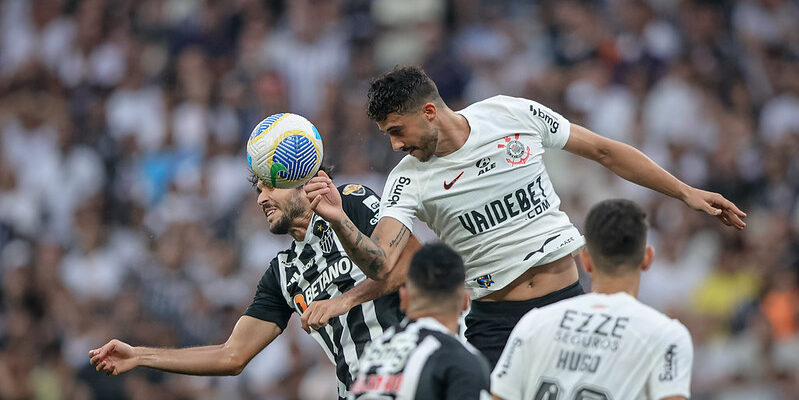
column 615, row 235
column 403, row 89
column 436, row 269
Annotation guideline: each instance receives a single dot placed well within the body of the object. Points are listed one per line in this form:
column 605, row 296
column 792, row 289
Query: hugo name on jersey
column 491, row 200
column 597, row 347
column 318, row 268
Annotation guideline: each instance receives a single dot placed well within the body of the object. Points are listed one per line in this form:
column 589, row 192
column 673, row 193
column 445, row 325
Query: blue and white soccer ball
column 285, row 150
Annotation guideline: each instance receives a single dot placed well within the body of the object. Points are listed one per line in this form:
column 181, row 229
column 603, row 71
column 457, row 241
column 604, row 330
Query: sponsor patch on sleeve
column 354, row 190
column 372, row 202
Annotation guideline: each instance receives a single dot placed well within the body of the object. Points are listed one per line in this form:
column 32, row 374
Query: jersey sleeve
column 401, row 196
column 671, row 374
column 553, row 127
column 510, row 377
column 362, row 205
column 268, row 303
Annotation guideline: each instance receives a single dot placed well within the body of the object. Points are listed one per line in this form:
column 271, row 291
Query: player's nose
column 397, row 144
column 263, row 197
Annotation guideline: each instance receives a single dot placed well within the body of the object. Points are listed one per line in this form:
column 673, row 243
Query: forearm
column 370, row 289
column 205, row 360
column 634, row 166
column 362, row 250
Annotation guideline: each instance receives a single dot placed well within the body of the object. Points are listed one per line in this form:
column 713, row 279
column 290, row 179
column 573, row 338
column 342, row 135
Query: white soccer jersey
column 595, row 346
column 491, row 200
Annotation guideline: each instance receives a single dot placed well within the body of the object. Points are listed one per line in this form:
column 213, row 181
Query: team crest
column 325, row 234
column 516, row 153
column 353, row 189
column 484, row 281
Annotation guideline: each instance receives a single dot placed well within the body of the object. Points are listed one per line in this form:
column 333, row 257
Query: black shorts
column 489, row 323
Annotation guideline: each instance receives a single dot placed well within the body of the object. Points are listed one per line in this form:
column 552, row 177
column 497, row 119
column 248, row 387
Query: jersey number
column 549, row 390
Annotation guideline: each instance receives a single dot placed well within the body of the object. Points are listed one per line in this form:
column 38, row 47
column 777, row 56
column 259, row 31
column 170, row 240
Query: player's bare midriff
column 538, row 281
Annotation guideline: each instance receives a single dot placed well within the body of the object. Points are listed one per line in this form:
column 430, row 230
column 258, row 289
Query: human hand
column 324, row 197
column 321, row 311
column 114, row 358
column 716, row 205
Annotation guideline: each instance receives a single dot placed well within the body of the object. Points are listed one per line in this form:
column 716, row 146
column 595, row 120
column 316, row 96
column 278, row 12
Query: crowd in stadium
column 125, row 208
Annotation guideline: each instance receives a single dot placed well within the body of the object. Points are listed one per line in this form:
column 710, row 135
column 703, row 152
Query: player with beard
column 340, row 307
column 476, row 176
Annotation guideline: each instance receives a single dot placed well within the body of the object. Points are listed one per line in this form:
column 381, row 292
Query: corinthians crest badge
column 516, row 152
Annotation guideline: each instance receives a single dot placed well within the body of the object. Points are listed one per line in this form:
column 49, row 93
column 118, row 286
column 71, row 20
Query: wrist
column 141, row 357
column 348, row 300
column 683, row 191
column 338, row 222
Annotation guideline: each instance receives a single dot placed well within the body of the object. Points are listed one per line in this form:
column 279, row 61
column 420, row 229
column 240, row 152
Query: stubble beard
column 427, row 146
column 293, row 211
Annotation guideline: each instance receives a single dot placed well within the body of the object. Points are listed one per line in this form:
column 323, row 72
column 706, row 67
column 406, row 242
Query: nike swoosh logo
column 447, row 186
column 542, row 246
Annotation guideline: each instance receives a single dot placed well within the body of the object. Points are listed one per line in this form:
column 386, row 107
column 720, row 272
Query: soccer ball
column 285, row 150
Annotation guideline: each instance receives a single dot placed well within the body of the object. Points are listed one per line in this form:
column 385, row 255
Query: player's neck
column 300, row 226
column 453, row 131
column 448, row 319
column 610, row 285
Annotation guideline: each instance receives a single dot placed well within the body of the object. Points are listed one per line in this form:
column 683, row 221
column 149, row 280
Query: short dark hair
column 615, row 234
column 403, row 89
column 436, row 270
column 329, row 169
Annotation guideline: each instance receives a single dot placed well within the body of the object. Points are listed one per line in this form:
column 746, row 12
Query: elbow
column 381, row 274
column 234, row 363
column 377, row 270
column 235, row 367
column 236, row 370
column 603, row 156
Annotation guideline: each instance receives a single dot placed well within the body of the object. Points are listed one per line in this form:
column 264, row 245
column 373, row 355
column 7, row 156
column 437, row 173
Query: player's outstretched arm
column 634, row 166
column 249, row 337
column 320, row 312
column 375, row 255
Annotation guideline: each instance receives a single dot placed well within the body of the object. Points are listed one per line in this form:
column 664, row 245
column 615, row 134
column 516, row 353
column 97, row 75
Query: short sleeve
column 509, row 378
column 671, row 374
column 400, row 196
column 553, row 127
column 362, row 205
column 269, row 303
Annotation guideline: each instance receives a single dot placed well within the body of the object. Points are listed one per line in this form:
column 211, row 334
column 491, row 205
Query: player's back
column 420, row 360
column 595, row 346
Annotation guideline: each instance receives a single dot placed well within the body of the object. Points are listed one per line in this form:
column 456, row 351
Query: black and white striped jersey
column 318, row 268
column 421, row 360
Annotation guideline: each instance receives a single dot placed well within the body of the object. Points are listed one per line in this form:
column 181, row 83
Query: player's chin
column 420, row 155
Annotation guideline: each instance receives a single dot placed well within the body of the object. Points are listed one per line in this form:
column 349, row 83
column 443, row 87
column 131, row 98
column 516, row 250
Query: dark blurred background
column 125, row 209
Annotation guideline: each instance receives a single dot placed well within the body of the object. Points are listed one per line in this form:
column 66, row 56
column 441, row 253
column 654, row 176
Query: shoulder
column 655, row 318
column 675, row 330
column 494, row 101
column 656, row 324
column 272, row 273
column 408, row 165
column 454, row 351
column 357, row 194
column 361, row 204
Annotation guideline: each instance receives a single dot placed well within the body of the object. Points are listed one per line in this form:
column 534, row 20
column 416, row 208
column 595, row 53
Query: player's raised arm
column 634, row 166
column 249, row 337
column 321, row 311
column 375, row 255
